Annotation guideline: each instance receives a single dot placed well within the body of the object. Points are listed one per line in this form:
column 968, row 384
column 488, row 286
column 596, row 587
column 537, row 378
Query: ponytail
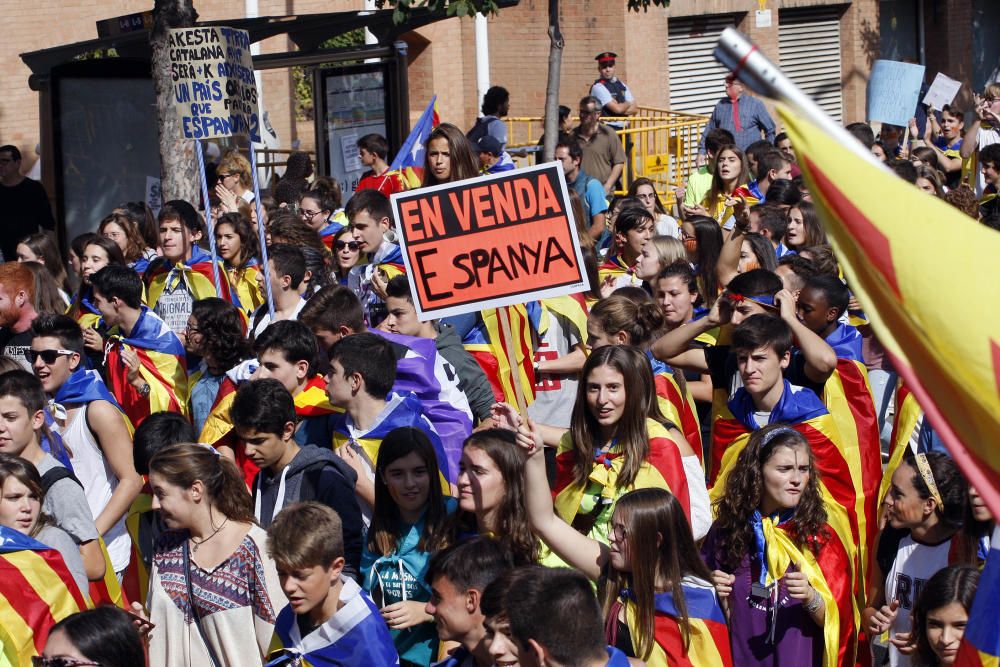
column 184, row 464
column 640, row 320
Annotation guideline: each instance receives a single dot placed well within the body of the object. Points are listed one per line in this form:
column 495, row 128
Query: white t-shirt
column 915, row 563
column 986, row 137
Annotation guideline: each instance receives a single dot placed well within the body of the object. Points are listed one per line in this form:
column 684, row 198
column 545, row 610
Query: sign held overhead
column 489, row 241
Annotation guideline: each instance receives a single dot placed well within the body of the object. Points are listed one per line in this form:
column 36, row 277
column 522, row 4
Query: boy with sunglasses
column 93, row 427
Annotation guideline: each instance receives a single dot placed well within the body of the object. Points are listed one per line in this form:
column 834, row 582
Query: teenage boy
column 359, row 380
column 493, row 159
column 458, row 576
column 287, row 266
column 329, row 620
column 146, row 363
column 17, row 311
column 771, row 166
column 91, row 425
column 555, row 621
column 989, row 164
column 402, row 319
column 373, row 151
column 186, row 273
column 335, row 312
column 22, row 407
column 370, row 218
column 763, row 345
column 263, row 416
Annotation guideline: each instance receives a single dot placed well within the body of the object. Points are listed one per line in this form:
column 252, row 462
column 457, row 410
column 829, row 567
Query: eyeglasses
column 232, row 173
column 618, row 533
column 651, row 196
column 191, row 330
column 305, row 213
column 48, row 356
column 61, row 661
column 351, row 245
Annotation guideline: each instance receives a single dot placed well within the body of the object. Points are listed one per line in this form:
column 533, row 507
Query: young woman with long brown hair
column 210, row 566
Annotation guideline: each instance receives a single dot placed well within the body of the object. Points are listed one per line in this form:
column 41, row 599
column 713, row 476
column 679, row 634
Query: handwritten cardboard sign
column 215, row 94
column 490, row 241
column 893, row 91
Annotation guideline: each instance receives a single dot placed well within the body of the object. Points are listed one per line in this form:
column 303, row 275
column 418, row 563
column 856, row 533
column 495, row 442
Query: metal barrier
column 661, row 145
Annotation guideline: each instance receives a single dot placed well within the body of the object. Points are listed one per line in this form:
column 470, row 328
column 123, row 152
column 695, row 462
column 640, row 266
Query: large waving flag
column 409, row 161
column 162, row 364
column 36, row 592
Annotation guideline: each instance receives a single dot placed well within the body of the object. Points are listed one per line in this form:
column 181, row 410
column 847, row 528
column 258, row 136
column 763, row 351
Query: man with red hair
column 17, row 311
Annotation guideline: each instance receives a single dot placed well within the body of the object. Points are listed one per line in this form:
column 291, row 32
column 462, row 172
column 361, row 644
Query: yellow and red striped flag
column 924, row 273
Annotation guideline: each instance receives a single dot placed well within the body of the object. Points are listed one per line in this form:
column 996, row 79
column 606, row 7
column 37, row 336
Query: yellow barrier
column 661, row 145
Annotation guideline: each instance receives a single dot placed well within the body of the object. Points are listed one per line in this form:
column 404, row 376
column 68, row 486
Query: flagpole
column 262, row 236
column 762, row 76
column 208, row 220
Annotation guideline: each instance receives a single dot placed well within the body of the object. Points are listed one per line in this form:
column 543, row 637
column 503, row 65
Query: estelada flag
column 36, row 592
column 802, row 410
column 885, row 231
column 662, row 469
column 197, row 275
column 981, row 642
column 162, row 364
column 707, row 630
column 675, row 405
column 490, row 348
column 409, row 161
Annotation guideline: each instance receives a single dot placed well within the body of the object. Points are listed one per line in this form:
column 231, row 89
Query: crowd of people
column 190, row 476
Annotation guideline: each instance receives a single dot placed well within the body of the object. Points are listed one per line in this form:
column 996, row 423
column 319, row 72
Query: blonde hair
column 669, row 249
column 233, row 162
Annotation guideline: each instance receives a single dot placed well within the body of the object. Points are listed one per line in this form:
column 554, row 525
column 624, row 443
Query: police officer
column 615, row 97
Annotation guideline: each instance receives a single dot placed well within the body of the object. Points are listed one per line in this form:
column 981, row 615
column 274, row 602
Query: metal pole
column 209, row 222
column 262, row 236
column 482, row 57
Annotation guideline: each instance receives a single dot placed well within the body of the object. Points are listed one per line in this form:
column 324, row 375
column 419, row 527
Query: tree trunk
column 178, row 168
column 552, row 88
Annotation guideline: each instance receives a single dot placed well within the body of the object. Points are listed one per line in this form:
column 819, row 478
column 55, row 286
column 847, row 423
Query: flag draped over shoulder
column 981, row 642
column 802, row 411
column 662, row 469
column 244, row 283
column 162, row 364
column 709, row 635
column 947, row 350
column 197, row 274
column 489, row 346
column 36, row 592
column 409, row 161
column 677, row 406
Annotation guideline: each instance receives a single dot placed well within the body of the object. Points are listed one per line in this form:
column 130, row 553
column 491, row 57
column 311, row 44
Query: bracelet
column 815, row 604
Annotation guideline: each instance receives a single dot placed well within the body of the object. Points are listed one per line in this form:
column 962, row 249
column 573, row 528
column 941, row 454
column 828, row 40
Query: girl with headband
column 925, row 508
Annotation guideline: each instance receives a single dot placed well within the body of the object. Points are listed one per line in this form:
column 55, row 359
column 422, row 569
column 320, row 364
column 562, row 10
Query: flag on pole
column 409, row 161
column 940, row 331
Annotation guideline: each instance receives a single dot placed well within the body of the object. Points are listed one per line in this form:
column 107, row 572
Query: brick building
column 664, row 55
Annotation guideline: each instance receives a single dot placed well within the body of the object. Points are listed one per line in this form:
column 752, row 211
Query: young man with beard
column 17, row 311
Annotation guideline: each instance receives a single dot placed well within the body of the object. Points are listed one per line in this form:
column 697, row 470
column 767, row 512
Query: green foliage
column 402, row 8
column 302, row 76
column 644, row 5
column 97, row 54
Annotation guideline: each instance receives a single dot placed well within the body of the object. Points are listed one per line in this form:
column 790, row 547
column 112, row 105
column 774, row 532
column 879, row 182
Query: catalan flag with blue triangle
column 489, row 346
column 36, row 592
column 409, row 161
column 708, row 633
column 198, row 276
column 946, row 349
column 162, row 364
column 354, row 635
column 981, row 642
column 244, row 284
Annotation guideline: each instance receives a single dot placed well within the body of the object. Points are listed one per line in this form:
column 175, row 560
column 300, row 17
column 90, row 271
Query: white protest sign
column 893, row 91
column 154, row 196
column 942, row 91
column 215, row 94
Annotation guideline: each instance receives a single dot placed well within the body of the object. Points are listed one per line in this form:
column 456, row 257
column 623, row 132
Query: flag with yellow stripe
column 946, row 349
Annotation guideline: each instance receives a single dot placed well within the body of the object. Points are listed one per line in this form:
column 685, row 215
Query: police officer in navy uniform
column 615, row 97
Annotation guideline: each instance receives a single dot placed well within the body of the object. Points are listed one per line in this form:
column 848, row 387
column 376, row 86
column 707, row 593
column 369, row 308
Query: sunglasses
column 351, row 245
column 48, row 356
column 61, row 661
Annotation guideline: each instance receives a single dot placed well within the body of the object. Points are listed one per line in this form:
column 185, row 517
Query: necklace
column 195, row 544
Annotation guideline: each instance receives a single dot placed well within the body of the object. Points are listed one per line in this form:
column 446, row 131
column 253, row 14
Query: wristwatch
column 144, row 390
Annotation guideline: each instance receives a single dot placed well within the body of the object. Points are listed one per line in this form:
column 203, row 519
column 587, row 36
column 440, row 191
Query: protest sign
column 893, row 91
column 215, row 94
column 488, row 242
column 942, row 91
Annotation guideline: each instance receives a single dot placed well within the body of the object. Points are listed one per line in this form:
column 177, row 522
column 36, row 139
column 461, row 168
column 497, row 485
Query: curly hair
column 221, row 326
column 964, row 199
column 745, row 492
